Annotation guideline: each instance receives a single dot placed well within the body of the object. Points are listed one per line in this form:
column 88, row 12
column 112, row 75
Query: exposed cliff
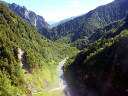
column 27, row 15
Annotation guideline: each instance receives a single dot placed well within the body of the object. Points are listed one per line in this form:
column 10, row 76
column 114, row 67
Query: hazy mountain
column 54, row 24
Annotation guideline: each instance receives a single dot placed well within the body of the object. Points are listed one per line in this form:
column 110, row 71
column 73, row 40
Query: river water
column 63, row 85
column 59, row 72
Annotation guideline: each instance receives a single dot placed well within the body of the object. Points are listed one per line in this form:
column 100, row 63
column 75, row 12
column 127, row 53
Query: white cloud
column 57, row 17
column 74, row 3
column 108, row 1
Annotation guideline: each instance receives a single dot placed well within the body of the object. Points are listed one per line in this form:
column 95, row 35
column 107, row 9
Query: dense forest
column 96, row 44
column 41, row 54
column 77, row 31
column 103, row 64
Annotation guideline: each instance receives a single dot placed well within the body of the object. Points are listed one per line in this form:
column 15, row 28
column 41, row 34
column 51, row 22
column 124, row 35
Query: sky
column 56, row 10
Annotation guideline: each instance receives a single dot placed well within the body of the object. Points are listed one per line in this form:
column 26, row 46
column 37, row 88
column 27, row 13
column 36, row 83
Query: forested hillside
column 27, row 15
column 77, row 31
column 103, row 65
column 41, row 56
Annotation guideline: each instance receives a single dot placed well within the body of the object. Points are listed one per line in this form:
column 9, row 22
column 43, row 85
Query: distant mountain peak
column 61, row 22
column 29, row 16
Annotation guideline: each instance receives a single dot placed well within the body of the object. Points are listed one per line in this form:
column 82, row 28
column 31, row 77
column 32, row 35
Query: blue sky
column 56, row 10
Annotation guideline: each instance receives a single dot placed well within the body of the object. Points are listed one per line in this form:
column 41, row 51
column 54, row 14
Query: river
column 59, row 72
column 63, row 85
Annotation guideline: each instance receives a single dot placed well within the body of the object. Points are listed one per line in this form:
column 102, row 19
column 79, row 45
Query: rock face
column 27, row 15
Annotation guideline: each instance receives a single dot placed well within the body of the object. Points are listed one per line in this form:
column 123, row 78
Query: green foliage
column 104, row 60
column 6, row 89
column 39, row 52
column 84, row 26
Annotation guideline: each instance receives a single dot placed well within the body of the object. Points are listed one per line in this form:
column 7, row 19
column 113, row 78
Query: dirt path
column 21, row 57
column 49, row 90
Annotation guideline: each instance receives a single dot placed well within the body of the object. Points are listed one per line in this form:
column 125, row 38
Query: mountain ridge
column 84, row 26
column 27, row 15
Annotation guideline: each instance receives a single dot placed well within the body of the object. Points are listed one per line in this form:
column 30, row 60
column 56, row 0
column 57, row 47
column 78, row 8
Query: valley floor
column 62, row 89
column 59, row 90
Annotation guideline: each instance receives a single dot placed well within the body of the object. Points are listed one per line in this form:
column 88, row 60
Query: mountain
column 52, row 22
column 61, row 22
column 83, row 43
column 35, row 71
column 103, row 65
column 28, row 16
column 78, row 30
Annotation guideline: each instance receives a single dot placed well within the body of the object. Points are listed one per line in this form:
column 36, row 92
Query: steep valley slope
column 41, row 57
column 77, row 31
column 28, row 59
column 103, row 65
